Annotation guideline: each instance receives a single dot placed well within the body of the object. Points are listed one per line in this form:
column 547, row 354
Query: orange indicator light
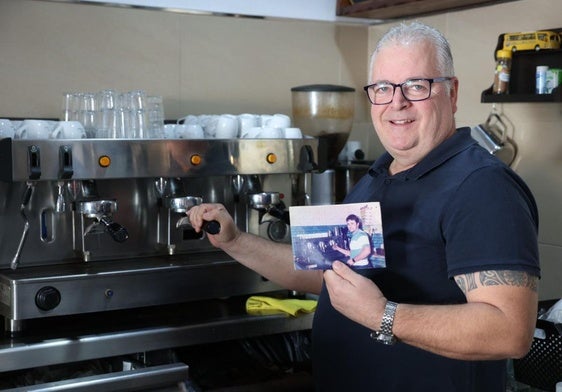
column 271, row 158
column 104, row 161
column 195, row 159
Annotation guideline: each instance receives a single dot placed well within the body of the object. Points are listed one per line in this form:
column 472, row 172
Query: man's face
column 410, row 130
column 351, row 225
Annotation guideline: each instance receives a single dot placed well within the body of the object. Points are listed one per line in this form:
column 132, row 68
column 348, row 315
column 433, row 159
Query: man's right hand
column 272, row 260
column 208, row 212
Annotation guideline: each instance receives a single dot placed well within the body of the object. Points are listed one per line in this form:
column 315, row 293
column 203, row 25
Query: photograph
column 350, row 233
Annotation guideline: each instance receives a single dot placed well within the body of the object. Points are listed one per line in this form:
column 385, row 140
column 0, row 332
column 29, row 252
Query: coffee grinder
column 325, row 111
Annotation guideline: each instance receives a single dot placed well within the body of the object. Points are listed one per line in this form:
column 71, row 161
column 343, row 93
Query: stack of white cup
column 230, row 126
column 110, row 115
column 276, row 126
column 41, row 129
column 7, row 128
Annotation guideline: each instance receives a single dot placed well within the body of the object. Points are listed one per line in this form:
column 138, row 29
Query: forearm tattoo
column 472, row 281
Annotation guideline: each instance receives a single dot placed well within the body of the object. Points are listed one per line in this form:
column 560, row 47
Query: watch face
column 386, row 339
column 383, row 338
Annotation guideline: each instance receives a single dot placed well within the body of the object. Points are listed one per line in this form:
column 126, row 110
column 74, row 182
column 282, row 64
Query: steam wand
column 24, row 202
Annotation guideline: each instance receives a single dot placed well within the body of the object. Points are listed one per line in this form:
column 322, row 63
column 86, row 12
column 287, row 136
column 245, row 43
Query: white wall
column 200, row 64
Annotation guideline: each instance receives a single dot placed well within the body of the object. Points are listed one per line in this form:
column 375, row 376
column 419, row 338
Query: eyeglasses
column 382, row 93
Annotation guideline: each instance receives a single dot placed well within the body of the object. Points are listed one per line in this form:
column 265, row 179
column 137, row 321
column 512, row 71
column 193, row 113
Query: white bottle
column 541, row 79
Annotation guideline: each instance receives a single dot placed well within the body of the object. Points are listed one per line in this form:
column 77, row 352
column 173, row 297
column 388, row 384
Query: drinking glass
column 107, row 124
column 138, row 99
column 155, row 110
column 107, row 100
column 87, row 114
column 71, row 106
column 138, row 125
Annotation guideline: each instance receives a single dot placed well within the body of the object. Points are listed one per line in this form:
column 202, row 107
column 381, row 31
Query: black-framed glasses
column 382, row 93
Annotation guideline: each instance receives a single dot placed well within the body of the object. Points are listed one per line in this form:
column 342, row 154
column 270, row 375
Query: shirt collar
column 460, row 140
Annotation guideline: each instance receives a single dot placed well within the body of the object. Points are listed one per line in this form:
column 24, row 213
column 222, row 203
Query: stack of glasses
column 114, row 115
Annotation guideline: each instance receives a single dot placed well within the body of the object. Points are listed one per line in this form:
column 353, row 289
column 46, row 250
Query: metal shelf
column 136, row 331
column 488, row 97
column 394, row 9
column 522, row 78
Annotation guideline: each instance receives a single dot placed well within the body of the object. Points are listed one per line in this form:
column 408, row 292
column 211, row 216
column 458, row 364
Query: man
column 459, row 293
column 359, row 243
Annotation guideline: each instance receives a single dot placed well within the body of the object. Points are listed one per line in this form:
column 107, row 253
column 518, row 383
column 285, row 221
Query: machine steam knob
column 47, row 298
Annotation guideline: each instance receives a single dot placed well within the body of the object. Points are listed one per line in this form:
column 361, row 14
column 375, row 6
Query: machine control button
column 108, row 293
column 47, row 298
column 195, row 159
column 65, row 162
column 34, row 162
column 104, row 161
column 271, row 158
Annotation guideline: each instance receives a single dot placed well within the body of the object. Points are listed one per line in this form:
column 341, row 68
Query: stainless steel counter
column 76, row 338
column 162, row 378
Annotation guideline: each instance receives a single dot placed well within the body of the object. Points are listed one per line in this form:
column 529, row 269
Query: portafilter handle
column 279, row 213
column 115, row 230
column 183, row 204
column 211, row 227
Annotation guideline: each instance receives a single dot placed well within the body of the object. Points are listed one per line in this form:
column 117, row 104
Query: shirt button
column 387, row 181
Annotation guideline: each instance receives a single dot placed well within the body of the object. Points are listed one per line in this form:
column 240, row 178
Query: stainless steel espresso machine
column 97, row 226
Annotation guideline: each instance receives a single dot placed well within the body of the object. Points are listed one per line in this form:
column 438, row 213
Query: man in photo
column 359, row 243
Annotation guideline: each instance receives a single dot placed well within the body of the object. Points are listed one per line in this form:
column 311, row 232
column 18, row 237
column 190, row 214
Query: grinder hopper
column 324, row 111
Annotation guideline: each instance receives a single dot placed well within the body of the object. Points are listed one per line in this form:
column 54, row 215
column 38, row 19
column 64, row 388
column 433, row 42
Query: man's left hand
column 354, row 296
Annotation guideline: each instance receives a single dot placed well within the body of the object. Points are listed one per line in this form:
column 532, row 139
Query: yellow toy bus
column 532, row 40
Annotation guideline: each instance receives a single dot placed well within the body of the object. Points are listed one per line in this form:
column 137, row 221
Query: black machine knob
column 47, row 298
column 359, row 154
column 212, row 227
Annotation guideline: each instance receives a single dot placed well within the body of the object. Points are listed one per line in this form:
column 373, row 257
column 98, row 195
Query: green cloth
column 263, row 306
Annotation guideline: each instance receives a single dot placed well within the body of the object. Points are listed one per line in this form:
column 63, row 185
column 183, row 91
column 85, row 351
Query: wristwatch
column 385, row 335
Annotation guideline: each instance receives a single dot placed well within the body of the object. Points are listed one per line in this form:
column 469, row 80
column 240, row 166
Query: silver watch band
column 385, row 334
column 388, row 317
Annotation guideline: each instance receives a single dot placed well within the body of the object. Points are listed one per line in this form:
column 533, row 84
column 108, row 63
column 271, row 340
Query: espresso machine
column 83, row 212
column 99, row 226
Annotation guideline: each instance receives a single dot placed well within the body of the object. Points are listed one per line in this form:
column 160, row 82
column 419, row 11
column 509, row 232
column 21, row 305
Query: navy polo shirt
column 457, row 211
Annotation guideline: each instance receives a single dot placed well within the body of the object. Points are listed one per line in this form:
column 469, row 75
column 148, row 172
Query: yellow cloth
column 263, row 306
